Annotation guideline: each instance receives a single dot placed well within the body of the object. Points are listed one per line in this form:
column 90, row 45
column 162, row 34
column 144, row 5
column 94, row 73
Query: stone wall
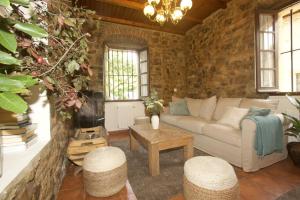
column 220, row 53
column 166, row 51
column 41, row 180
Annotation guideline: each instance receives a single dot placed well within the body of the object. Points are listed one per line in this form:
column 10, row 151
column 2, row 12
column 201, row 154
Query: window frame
column 107, row 46
column 258, row 67
column 275, row 8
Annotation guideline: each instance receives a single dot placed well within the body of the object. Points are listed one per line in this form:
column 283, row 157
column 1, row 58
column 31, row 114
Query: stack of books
column 16, row 131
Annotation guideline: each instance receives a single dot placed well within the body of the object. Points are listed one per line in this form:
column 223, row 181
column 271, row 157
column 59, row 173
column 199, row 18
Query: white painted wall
column 120, row 115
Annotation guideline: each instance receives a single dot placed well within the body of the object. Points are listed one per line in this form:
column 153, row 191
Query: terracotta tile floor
column 266, row 184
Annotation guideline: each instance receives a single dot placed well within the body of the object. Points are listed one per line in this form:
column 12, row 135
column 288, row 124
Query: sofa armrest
column 249, row 156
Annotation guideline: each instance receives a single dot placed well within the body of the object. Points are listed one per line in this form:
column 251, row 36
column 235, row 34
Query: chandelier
column 166, row 10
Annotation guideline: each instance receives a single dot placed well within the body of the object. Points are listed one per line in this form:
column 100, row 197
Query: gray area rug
column 162, row 187
column 291, row 195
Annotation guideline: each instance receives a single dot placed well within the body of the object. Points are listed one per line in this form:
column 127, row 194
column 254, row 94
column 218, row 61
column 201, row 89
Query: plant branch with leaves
column 28, row 53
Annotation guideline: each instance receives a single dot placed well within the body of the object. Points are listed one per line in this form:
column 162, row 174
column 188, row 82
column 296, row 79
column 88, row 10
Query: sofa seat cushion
column 189, row 123
column 223, row 133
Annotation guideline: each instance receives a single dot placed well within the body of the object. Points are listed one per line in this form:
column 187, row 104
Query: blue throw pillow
column 254, row 111
column 179, row 108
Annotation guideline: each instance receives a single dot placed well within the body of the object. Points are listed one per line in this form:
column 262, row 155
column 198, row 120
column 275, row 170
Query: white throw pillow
column 233, row 116
column 223, row 103
column 208, row 107
column 194, row 106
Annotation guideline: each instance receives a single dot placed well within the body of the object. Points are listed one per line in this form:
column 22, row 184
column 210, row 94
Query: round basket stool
column 141, row 120
column 209, row 178
column 104, row 171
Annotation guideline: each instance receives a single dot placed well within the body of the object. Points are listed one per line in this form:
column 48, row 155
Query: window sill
column 17, row 162
column 277, row 93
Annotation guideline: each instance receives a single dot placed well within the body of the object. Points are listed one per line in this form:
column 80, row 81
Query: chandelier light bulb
column 177, row 15
column 162, row 11
column 186, row 4
column 149, row 10
column 160, row 17
column 153, row 2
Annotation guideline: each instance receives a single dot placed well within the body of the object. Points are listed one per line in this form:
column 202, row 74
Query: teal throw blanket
column 269, row 134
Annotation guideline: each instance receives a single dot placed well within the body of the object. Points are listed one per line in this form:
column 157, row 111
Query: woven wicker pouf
column 209, row 178
column 141, row 120
column 104, row 171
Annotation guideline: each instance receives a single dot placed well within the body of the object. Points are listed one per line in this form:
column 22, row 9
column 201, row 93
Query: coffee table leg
column 133, row 142
column 153, row 155
column 188, row 150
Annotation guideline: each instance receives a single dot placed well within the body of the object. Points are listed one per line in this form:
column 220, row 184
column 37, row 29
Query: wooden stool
column 84, row 141
column 207, row 177
column 104, row 171
column 141, row 120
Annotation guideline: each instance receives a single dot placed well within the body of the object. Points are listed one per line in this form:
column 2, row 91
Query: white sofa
column 234, row 145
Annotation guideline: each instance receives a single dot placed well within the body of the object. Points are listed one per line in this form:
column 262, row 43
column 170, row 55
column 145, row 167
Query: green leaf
column 12, row 102
column 10, row 85
column 4, row 3
column 8, row 40
column 72, row 66
column 7, row 59
column 31, row 29
column 27, row 80
column 20, row 2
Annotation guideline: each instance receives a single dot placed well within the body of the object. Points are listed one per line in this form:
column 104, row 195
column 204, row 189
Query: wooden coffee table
column 166, row 137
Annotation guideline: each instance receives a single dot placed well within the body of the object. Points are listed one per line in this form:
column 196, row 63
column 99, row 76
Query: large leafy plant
column 13, row 29
column 153, row 104
column 294, row 127
column 56, row 57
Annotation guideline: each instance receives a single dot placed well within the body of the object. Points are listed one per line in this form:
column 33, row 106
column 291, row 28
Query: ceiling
column 130, row 12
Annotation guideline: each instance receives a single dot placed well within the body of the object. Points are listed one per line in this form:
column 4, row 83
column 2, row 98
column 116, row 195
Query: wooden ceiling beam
column 134, row 23
column 140, row 6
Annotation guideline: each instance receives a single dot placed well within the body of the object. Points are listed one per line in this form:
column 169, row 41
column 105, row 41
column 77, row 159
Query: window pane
column 121, row 75
column 144, row 79
column 296, row 67
column 296, row 30
column 144, row 91
column 267, row 78
column 284, row 74
column 267, row 60
column 143, row 67
column 284, row 24
column 266, row 22
column 267, row 41
column 143, row 56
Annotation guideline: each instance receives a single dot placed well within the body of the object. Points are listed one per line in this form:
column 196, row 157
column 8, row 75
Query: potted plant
column 294, row 131
column 154, row 106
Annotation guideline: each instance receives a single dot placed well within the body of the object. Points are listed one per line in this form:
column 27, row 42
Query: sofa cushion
column 168, row 118
column 179, row 108
column 233, row 116
column 260, row 103
column 188, row 123
column 223, row 103
column 194, row 106
column 207, row 108
column 223, row 133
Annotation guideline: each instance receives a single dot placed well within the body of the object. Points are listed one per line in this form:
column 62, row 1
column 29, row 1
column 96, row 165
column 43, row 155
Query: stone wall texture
column 166, row 55
column 41, row 180
column 220, row 52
